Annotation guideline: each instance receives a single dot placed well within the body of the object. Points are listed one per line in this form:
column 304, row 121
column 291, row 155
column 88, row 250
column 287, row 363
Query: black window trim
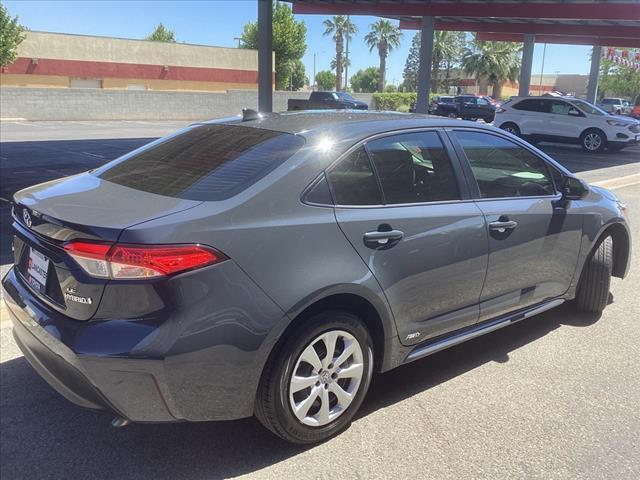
column 472, row 179
column 463, row 184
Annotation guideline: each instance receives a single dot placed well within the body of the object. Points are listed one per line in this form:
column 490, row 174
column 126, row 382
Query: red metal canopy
column 564, row 40
column 573, row 21
column 596, row 10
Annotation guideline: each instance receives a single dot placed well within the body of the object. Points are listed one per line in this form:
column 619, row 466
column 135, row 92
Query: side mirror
column 574, row 189
column 574, row 112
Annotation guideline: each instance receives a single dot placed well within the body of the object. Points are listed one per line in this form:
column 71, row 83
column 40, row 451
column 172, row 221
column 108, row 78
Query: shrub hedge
column 397, row 101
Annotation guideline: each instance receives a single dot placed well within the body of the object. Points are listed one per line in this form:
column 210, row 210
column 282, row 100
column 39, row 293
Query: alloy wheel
column 326, row 378
column 592, row 141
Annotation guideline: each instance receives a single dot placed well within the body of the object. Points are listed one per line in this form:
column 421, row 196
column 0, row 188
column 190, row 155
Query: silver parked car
column 616, row 106
column 269, row 265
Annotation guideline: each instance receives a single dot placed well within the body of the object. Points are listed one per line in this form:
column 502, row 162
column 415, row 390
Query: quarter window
column 413, row 168
column 353, row 181
column 530, row 105
column 503, row 168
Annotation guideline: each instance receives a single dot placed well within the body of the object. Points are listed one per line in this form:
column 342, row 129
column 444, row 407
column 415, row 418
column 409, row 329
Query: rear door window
column 206, row 162
column 413, row 168
column 353, row 182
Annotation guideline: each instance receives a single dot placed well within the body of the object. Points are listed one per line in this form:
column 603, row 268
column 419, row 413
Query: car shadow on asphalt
column 416, row 377
column 44, row 435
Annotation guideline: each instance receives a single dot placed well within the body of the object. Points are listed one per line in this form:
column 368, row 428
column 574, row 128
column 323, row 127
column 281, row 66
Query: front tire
column 593, row 289
column 593, row 141
column 316, row 381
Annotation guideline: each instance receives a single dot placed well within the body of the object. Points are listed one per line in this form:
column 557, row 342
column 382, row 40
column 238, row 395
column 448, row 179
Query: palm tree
column 341, row 27
column 497, row 61
column 346, row 62
column 446, row 47
column 384, row 36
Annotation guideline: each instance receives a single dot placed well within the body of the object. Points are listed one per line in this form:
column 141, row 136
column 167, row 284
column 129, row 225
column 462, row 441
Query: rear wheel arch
column 352, row 303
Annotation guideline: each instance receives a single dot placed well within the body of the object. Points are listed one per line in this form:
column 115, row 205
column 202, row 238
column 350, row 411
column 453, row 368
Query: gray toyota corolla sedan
column 270, row 264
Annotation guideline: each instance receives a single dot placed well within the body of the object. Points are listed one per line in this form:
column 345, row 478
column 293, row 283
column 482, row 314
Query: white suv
column 567, row 120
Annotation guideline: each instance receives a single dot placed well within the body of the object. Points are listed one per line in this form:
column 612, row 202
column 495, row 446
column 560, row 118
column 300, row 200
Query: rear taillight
column 121, row 261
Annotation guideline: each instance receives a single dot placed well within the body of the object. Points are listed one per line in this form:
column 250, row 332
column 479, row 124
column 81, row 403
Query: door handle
column 502, row 226
column 382, row 238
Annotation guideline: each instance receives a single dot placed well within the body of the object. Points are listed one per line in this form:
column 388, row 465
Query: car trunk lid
column 84, row 206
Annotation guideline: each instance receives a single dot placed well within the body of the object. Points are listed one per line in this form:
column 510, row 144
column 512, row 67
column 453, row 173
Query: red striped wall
column 89, row 69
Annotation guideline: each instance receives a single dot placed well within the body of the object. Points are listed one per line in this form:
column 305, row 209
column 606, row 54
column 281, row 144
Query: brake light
column 121, row 261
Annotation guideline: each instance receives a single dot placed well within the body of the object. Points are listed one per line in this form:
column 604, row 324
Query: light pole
column 238, row 38
column 313, row 83
column 346, row 62
column 544, row 52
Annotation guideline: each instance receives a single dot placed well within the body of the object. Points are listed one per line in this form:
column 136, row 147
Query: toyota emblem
column 26, row 217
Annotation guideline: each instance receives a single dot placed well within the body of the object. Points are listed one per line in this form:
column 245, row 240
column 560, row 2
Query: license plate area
column 37, row 270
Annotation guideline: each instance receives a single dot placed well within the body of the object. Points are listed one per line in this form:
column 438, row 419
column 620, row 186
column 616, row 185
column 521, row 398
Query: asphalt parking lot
column 554, row 397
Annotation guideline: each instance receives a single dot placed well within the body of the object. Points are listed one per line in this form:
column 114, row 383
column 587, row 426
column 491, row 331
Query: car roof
column 343, row 123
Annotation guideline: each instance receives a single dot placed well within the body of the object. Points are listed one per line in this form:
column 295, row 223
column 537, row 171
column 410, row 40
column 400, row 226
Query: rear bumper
column 79, row 360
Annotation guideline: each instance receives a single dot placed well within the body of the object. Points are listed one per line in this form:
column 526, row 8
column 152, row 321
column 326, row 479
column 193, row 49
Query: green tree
column 384, row 36
column 366, row 81
column 447, row 50
column 411, row 65
column 162, row 34
column 298, row 78
column 340, row 27
column 345, row 63
column 289, row 41
column 618, row 80
column 497, row 61
column 11, row 34
column 325, row 80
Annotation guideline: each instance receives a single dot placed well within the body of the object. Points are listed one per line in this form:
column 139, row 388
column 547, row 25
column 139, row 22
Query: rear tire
column 511, row 128
column 593, row 289
column 332, row 389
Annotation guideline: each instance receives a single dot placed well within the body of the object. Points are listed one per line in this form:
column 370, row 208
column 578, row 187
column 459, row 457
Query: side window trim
column 320, row 178
column 451, row 154
column 469, row 171
column 372, row 165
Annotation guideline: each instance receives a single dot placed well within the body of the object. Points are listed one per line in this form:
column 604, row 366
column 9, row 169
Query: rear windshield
column 206, row 162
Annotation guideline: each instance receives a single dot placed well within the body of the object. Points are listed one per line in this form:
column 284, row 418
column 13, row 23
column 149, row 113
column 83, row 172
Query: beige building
column 59, row 60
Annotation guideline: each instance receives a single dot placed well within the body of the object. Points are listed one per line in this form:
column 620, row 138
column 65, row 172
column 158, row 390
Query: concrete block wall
column 95, row 104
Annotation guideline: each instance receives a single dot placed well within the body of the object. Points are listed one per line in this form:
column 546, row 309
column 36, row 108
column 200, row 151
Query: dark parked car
column 467, row 107
column 327, row 101
column 439, row 99
column 270, row 266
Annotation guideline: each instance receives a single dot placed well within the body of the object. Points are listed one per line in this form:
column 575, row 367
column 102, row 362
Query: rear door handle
column 382, row 238
column 502, row 226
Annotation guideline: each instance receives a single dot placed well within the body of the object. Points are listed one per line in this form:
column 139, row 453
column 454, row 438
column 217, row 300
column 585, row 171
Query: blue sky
column 217, row 22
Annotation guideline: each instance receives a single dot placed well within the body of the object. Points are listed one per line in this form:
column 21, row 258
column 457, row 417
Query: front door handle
column 382, row 238
column 503, row 226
